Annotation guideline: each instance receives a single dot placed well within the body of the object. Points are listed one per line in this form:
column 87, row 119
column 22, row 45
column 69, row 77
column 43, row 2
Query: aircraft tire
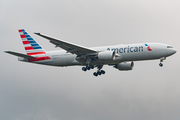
column 99, row 73
column 95, row 74
column 92, row 67
column 160, row 64
column 103, row 72
column 88, row 68
column 84, row 69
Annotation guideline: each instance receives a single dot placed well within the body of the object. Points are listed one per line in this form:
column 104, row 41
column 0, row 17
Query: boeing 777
column 120, row 57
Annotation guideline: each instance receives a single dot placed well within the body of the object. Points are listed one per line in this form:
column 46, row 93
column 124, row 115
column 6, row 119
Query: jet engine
column 125, row 66
column 106, row 55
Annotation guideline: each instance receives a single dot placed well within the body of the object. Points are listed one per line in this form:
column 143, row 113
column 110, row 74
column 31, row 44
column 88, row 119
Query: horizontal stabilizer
column 19, row 54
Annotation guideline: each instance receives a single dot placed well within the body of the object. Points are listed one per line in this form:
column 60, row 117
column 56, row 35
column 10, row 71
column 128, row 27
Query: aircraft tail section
column 32, row 48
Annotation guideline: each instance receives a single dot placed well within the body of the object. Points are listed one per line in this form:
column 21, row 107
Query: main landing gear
column 88, row 67
column 161, row 60
column 99, row 71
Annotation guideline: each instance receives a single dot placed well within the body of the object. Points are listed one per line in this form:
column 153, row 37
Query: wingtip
column 6, row 51
column 37, row 33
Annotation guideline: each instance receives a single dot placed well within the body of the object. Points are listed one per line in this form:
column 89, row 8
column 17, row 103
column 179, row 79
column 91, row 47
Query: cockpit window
column 169, row 47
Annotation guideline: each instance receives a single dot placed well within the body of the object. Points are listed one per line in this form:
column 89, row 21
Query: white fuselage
column 129, row 52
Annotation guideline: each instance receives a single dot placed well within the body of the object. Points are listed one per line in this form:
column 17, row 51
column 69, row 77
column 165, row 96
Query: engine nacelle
column 106, row 55
column 125, row 66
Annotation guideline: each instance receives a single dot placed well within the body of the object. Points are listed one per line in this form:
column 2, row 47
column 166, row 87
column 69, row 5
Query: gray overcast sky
column 35, row 92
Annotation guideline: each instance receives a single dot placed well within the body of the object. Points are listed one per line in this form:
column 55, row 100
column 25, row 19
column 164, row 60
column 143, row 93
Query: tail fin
column 32, row 48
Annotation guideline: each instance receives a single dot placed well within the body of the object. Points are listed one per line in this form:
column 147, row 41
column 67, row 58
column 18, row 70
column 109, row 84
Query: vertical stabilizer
column 32, row 48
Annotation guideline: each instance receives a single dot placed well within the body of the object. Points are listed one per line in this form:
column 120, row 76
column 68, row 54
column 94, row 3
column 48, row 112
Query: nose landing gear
column 160, row 64
column 161, row 60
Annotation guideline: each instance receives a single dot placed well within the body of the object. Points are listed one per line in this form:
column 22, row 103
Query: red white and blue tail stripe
column 32, row 48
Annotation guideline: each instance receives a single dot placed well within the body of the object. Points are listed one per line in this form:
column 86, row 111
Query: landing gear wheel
column 160, row 64
column 84, row 69
column 88, row 68
column 92, row 67
column 103, row 72
column 95, row 74
column 99, row 72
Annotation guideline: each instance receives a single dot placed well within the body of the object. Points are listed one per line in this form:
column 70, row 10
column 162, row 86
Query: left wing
column 69, row 47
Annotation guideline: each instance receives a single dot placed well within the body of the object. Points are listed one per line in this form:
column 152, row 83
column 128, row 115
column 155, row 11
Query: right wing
column 19, row 54
column 69, row 47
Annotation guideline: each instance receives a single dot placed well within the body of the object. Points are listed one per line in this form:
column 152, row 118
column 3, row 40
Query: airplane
column 120, row 57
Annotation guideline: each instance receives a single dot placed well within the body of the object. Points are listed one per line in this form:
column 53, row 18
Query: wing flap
column 19, row 54
column 69, row 47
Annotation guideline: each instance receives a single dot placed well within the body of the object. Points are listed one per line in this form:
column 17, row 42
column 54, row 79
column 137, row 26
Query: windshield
column 169, row 47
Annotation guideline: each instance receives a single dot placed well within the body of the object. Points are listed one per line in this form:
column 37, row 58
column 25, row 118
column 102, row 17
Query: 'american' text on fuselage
column 127, row 49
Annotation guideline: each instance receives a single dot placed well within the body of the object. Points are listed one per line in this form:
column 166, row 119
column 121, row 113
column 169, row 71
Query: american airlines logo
column 129, row 49
column 148, row 48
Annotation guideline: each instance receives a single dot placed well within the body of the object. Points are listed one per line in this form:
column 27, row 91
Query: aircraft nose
column 173, row 51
